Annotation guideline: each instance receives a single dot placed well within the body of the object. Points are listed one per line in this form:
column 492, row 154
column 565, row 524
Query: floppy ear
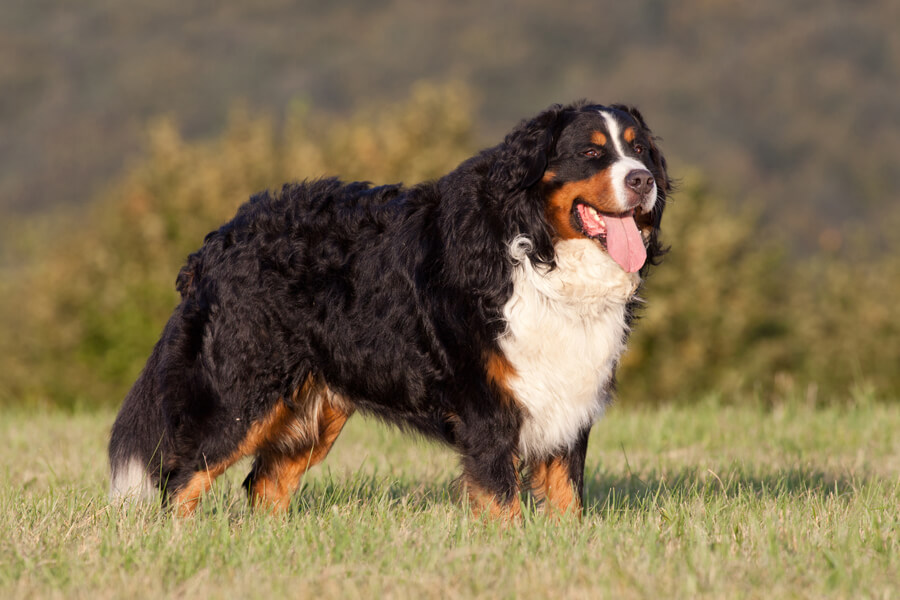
column 523, row 155
column 517, row 166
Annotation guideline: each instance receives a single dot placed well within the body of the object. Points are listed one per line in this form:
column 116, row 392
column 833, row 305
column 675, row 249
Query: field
column 754, row 450
column 710, row 501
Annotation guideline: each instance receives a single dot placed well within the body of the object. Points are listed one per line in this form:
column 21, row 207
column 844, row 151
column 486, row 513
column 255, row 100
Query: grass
column 708, row 501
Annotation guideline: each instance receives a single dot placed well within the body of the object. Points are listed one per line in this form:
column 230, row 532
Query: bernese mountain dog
column 487, row 309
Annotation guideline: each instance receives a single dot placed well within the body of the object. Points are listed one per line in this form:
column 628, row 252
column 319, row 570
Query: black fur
column 391, row 296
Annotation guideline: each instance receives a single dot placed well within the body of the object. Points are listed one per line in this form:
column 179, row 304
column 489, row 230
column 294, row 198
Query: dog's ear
column 523, row 155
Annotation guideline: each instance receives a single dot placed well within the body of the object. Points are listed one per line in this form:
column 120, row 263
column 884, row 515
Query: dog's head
column 587, row 171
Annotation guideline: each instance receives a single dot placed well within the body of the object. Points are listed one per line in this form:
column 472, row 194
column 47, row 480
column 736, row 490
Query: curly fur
column 429, row 307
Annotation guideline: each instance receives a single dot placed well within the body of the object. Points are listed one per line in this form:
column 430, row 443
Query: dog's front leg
column 490, row 476
column 558, row 480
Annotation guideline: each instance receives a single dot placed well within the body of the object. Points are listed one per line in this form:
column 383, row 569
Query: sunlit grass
column 711, row 501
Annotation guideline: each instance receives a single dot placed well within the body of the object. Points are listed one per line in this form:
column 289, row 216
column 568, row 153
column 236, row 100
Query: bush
column 83, row 316
column 728, row 311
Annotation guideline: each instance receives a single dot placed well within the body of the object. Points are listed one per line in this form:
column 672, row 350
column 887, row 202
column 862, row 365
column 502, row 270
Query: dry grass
column 711, row 501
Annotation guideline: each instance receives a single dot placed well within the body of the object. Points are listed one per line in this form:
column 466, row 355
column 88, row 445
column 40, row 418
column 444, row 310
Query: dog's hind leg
column 301, row 444
column 186, row 484
column 186, row 496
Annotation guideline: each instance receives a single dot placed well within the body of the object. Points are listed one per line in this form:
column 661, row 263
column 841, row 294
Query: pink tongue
column 624, row 242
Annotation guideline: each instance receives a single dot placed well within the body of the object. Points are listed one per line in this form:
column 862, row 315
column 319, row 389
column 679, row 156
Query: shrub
column 729, row 310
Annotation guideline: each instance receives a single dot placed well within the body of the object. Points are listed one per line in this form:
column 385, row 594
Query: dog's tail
column 142, row 444
column 137, row 441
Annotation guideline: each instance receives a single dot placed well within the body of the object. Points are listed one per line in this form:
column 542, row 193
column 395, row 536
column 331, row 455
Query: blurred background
column 128, row 131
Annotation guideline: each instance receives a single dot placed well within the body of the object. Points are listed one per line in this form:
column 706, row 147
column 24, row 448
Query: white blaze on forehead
column 622, row 167
column 614, row 131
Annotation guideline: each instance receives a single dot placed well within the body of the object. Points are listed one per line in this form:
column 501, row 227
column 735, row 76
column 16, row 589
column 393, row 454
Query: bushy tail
column 138, row 440
column 142, row 443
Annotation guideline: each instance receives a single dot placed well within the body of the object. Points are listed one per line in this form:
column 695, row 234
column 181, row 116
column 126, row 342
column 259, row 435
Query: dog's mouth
column 617, row 234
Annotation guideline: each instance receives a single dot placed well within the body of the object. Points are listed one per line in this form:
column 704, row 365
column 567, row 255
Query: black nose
column 639, row 180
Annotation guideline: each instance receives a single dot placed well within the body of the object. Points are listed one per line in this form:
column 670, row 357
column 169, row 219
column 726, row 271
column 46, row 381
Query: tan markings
column 548, row 176
column 630, row 134
column 279, row 473
column 499, row 371
column 596, row 190
column 266, row 429
column 598, row 138
column 305, row 391
column 550, row 483
column 186, row 498
column 485, row 504
column 281, row 426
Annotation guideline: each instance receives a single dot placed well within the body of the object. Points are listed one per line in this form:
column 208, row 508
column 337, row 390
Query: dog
column 487, row 309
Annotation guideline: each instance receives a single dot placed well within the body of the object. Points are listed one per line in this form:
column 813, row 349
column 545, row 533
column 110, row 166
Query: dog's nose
column 639, row 180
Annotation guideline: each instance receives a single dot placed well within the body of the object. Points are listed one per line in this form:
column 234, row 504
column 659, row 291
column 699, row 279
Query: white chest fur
column 565, row 333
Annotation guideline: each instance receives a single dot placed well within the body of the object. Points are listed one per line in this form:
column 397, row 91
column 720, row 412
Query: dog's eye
column 638, row 149
column 591, row 153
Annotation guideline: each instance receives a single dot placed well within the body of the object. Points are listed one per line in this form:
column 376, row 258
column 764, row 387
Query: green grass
column 710, row 501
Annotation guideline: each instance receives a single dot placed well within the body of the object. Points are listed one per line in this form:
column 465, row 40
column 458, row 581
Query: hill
column 791, row 104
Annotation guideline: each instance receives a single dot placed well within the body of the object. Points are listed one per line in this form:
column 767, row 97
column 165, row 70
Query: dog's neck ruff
column 565, row 332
